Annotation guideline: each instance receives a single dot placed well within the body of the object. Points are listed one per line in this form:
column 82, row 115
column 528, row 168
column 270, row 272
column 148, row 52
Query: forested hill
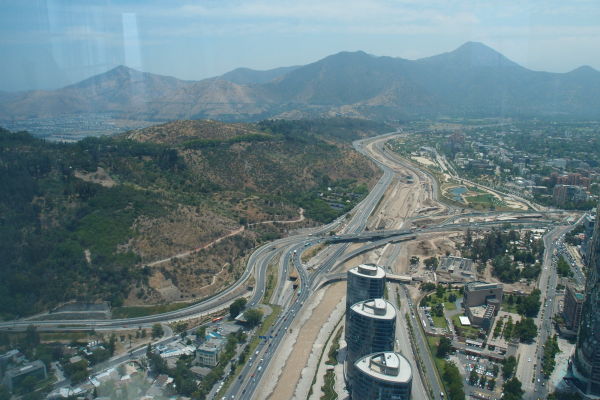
column 80, row 221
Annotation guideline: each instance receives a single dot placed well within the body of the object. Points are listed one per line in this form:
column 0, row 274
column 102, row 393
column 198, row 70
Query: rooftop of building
column 479, row 285
column 211, row 345
column 386, row 366
column 375, row 308
column 24, row 369
column 478, row 311
column 368, row 271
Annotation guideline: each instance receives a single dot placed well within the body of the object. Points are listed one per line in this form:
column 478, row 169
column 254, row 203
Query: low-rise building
column 10, row 357
column 482, row 293
column 208, row 353
column 481, row 316
column 482, row 302
column 15, row 376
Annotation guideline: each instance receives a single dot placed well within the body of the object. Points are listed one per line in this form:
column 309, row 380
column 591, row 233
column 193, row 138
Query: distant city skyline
column 46, row 44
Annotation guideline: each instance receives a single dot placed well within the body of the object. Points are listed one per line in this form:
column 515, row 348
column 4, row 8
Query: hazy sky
column 51, row 43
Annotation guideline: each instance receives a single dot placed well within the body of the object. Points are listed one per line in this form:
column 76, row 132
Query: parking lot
column 489, row 376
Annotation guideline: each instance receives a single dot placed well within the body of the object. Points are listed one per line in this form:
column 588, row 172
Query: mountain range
column 471, row 81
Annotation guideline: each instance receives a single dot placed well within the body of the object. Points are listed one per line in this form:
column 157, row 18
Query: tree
column 530, row 304
column 181, row 328
column 439, row 291
column 438, row 310
column 453, row 382
column 563, row 269
column 444, row 347
column 157, row 331
column 431, row 262
column 414, row 260
column 157, row 363
column 550, row 350
column 77, row 372
column 491, row 384
column 495, row 370
column 32, row 338
column 237, row 307
column 468, row 238
column 427, row 286
column 473, row 377
column 253, row 317
column 526, row 330
column 508, row 329
column 112, row 342
column 509, row 366
column 451, row 298
column 201, row 332
column 498, row 328
column 512, row 390
column 482, row 381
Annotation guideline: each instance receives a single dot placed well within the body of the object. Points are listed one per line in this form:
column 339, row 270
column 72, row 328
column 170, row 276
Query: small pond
column 457, row 193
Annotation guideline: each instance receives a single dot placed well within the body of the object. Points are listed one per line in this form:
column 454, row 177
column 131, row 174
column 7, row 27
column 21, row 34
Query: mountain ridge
column 473, row 80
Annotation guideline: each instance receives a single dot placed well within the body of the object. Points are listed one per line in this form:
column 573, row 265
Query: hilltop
column 89, row 220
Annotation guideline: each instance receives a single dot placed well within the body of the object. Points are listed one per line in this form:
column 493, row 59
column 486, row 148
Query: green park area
column 468, row 332
column 442, row 299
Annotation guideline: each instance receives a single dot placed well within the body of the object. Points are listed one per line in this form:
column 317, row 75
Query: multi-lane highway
column 252, row 373
column 534, row 381
column 286, row 250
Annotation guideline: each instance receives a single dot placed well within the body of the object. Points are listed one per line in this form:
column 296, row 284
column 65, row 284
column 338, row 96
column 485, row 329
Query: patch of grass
column 272, row 278
column 511, row 308
column 142, row 311
column 311, row 252
column 58, row 336
column 328, row 387
column 433, row 342
column 333, row 350
column 449, row 306
column 466, row 331
column 439, row 322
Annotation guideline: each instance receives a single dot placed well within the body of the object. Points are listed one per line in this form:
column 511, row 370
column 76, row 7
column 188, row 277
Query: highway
column 245, row 386
column 534, row 382
column 289, row 249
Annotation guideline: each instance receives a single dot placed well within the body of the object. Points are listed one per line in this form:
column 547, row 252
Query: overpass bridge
column 368, row 236
column 342, row 276
column 409, row 234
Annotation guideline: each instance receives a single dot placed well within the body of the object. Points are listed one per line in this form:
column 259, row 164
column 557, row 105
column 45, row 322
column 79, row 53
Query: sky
column 46, row 44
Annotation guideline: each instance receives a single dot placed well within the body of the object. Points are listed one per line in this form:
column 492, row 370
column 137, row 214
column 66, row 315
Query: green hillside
column 80, row 221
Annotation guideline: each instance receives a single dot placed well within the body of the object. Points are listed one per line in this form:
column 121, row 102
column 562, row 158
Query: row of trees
column 525, row 330
column 550, row 351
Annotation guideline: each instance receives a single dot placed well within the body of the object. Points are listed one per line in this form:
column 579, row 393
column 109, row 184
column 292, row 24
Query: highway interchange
column 288, row 251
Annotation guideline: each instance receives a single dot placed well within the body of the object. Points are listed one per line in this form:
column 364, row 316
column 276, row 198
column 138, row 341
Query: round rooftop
column 386, row 366
column 375, row 308
column 368, row 271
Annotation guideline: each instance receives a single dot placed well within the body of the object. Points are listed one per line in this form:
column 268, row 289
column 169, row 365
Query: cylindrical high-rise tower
column 382, row 376
column 370, row 328
column 586, row 365
column 366, row 281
